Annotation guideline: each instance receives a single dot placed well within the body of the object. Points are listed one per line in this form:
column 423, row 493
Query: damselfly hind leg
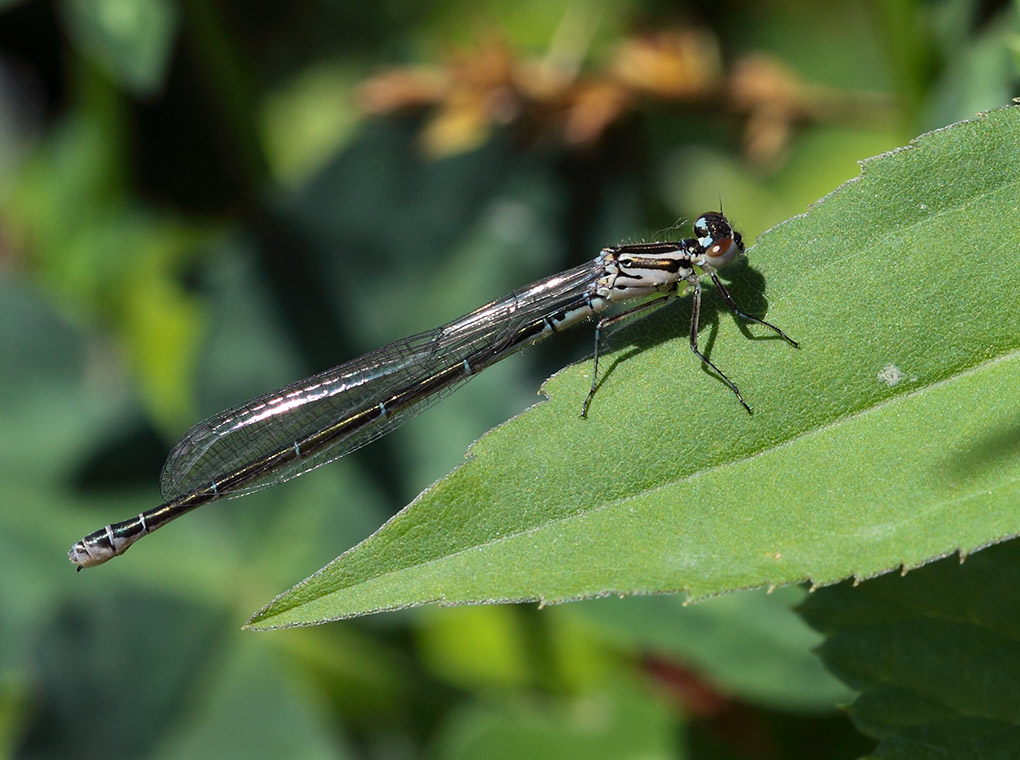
column 606, row 322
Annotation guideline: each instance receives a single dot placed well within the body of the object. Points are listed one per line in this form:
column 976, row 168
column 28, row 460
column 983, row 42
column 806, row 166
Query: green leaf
column 934, row 655
column 888, row 439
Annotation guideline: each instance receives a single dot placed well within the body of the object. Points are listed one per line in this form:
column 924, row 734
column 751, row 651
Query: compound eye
column 701, row 228
column 722, row 252
column 710, row 227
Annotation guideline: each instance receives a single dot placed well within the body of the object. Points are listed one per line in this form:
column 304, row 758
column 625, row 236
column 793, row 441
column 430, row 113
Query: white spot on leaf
column 892, row 376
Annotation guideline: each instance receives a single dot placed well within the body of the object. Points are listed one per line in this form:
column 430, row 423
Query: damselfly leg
column 605, row 322
column 732, row 305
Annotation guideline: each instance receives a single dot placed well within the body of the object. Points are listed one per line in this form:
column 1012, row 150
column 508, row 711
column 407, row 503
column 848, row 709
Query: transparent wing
column 275, row 421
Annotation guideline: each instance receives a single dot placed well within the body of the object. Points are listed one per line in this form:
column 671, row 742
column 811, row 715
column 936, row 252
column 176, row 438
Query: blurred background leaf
column 904, row 642
column 201, row 201
column 130, row 41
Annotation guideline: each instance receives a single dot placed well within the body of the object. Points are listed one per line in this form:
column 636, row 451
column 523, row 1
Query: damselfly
column 292, row 430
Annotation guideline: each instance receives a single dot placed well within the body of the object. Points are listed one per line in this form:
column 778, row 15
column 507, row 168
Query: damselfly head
column 721, row 242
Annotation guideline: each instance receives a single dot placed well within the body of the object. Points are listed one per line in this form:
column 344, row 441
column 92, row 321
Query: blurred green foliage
column 197, row 204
